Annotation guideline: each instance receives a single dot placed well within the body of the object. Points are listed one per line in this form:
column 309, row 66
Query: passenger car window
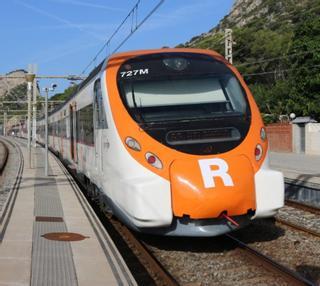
column 100, row 121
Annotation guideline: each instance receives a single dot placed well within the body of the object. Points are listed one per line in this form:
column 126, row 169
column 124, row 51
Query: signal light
column 258, row 152
column 153, row 160
column 133, row 144
column 263, row 134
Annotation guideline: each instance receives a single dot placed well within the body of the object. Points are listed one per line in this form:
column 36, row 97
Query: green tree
column 304, row 98
column 272, row 99
column 66, row 94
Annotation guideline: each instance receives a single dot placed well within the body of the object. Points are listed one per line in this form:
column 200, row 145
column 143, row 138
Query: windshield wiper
column 137, row 112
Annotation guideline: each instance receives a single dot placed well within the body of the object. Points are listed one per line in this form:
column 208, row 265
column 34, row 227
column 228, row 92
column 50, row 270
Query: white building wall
column 313, row 138
column 296, row 138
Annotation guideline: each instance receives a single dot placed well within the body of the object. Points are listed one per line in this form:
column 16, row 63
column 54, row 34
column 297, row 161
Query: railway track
column 156, row 270
column 9, row 192
column 301, row 217
column 292, row 277
column 303, row 206
column 298, row 227
column 162, row 276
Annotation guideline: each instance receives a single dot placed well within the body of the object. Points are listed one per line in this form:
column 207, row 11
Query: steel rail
column 155, row 266
column 298, row 227
column 292, row 277
column 303, row 206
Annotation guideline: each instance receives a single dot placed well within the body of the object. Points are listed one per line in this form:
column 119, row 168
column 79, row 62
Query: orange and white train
column 172, row 141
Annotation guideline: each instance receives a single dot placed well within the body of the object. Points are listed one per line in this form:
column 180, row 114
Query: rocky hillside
column 13, row 89
column 245, row 12
column 277, row 49
column 8, row 84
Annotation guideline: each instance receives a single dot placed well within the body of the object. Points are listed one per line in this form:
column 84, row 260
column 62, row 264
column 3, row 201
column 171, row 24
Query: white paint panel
column 144, row 196
column 313, row 138
column 269, row 186
column 145, row 200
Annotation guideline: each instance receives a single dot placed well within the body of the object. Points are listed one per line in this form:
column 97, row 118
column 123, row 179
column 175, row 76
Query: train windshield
column 190, row 102
column 180, row 88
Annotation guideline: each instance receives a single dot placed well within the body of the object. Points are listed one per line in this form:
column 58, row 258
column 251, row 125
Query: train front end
column 190, row 124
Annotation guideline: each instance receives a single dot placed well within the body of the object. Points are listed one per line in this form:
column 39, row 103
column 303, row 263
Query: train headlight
column 133, row 144
column 153, row 160
column 258, row 152
column 263, row 134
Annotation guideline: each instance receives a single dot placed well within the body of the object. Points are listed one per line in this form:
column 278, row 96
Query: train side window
column 100, row 121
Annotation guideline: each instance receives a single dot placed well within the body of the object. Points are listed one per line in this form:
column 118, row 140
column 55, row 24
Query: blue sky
column 62, row 36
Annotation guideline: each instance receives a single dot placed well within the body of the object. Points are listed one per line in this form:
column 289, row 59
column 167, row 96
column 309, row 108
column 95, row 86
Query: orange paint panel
column 191, row 197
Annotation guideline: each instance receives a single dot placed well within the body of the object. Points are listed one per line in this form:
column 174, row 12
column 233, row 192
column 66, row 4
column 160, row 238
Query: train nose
column 204, row 188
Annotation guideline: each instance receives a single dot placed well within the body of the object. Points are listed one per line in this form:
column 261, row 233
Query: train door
column 99, row 124
column 73, row 133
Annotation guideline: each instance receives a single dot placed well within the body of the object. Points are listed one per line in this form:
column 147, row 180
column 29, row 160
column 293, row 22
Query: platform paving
column 298, row 167
column 27, row 258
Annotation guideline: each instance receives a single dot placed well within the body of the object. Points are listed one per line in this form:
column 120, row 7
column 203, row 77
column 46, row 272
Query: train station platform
column 297, row 167
column 53, row 237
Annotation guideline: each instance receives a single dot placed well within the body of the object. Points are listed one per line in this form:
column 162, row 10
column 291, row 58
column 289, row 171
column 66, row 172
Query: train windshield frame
column 190, row 102
column 180, row 86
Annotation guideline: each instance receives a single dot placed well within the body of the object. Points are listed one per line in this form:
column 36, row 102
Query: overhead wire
column 134, row 27
column 139, row 25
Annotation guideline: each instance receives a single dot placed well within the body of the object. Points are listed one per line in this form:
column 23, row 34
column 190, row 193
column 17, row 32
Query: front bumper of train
column 148, row 206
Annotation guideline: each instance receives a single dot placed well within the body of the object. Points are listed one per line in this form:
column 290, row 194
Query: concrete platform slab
column 15, row 249
column 298, row 167
column 15, row 271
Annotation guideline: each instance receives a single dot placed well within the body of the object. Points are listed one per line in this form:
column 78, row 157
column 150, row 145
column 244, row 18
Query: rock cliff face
column 7, row 84
column 245, row 12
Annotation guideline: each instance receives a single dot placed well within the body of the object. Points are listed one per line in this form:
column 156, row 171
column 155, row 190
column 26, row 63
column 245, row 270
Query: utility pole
column 46, row 163
column 29, row 77
column 46, row 133
column 34, row 113
column 228, row 45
